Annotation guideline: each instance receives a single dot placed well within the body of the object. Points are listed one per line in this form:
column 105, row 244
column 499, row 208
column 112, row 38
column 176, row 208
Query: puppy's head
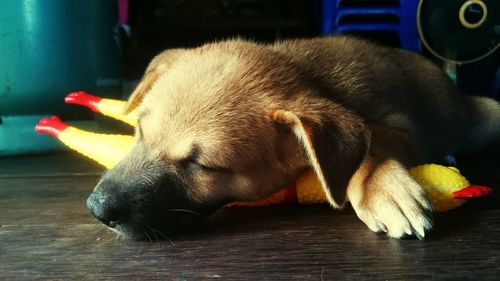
column 225, row 122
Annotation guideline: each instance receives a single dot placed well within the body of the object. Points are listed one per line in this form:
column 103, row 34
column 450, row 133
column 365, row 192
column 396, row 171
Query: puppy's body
column 237, row 121
column 389, row 87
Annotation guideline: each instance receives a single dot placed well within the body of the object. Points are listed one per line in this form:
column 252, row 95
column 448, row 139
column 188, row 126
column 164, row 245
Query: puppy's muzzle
column 108, row 207
column 142, row 196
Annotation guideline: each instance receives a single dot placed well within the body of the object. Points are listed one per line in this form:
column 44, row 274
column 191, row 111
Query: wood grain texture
column 48, row 165
column 269, row 244
column 46, row 233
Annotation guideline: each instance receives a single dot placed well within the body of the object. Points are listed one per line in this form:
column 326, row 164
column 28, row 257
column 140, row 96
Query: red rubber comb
column 472, row 191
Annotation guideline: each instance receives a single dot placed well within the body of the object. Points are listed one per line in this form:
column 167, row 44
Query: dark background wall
column 160, row 24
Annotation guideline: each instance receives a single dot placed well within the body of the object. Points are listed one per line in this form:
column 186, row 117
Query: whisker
column 156, row 237
column 175, row 231
column 117, row 239
column 186, row 211
column 162, row 234
column 150, row 240
column 105, row 242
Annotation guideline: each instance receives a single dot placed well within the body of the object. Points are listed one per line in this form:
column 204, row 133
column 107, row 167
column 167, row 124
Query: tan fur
column 383, row 193
column 237, row 120
column 304, row 136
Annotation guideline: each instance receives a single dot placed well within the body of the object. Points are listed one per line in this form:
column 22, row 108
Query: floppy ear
column 336, row 142
column 144, row 86
column 156, row 67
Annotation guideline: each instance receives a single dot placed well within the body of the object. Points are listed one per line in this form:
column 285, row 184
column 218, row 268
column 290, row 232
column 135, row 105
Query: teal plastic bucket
column 50, row 48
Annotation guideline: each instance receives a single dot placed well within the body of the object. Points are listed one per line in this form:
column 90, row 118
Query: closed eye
column 138, row 130
column 138, row 127
column 195, row 165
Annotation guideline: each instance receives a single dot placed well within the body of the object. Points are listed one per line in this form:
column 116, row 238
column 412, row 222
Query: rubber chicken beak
column 472, row 191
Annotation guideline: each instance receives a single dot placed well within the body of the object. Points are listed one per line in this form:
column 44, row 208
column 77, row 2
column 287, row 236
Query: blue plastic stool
column 406, row 29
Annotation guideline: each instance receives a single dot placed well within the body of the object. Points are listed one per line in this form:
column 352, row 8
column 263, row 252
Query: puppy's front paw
column 394, row 203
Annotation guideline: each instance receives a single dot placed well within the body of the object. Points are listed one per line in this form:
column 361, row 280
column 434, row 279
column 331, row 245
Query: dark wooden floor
column 47, row 233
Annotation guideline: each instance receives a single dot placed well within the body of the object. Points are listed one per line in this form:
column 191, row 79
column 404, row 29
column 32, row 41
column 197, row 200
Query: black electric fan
column 458, row 31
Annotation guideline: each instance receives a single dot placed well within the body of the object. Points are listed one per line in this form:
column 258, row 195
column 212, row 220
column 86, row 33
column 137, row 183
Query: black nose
column 107, row 208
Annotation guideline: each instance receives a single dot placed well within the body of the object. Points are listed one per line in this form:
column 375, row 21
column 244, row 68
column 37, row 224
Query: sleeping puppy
column 237, row 121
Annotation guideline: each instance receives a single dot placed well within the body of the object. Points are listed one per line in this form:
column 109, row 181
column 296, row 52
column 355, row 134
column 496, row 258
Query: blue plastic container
column 405, row 11
column 47, row 49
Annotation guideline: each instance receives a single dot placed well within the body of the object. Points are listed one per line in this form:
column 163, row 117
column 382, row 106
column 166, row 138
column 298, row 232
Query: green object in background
column 47, row 49
column 17, row 135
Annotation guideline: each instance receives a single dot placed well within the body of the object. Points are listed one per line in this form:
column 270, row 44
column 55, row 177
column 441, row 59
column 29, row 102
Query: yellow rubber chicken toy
column 445, row 186
column 105, row 149
column 107, row 107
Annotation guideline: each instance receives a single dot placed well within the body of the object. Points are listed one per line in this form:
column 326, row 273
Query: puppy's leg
column 383, row 193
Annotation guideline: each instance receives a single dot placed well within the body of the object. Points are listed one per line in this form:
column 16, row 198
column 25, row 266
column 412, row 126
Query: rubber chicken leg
column 108, row 107
column 105, row 149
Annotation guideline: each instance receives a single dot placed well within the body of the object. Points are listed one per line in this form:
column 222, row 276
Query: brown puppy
column 237, row 120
